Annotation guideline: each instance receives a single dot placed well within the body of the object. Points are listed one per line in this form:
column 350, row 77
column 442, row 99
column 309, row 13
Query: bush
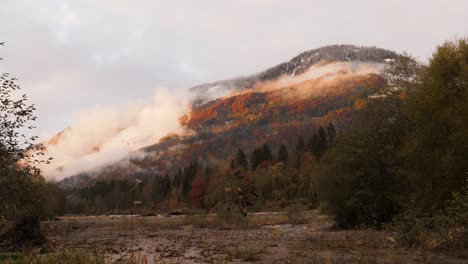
column 445, row 229
column 26, row 232
column 232, row 218
column 295, row 214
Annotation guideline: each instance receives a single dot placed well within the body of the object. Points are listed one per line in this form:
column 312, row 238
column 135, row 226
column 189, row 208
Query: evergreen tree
column 241, row 159
column 189, row 175
column 161, row 188
column 331, row 134
column 319, row 141
column 283, row 154
column 260, row 155
column 300, row 148
column 256, row 158
column 267, row 155
column 322, row 142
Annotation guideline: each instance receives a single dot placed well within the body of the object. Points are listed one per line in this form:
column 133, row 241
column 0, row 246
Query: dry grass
column 265, row 237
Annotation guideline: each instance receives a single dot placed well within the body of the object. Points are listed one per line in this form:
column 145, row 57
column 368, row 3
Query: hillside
column 276, row 106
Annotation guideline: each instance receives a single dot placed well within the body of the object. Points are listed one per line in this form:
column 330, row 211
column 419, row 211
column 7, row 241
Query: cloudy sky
column 71, row 55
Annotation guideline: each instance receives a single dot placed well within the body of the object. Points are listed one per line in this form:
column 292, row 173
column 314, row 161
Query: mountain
column 296, row 66
column 276, row 106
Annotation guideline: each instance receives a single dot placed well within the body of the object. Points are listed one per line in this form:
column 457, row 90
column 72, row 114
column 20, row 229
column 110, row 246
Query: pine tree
column 161, row 188
column 283, row 154
column 256, row 158
column 331, row 134
column 166, row 183
column 319, row 143
column 260, row 155
column 300, row 148
column 267, row 155
column 241, row 159
column 189, row 174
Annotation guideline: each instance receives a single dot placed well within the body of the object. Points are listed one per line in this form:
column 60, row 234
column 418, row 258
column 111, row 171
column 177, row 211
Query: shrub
column 445, row 229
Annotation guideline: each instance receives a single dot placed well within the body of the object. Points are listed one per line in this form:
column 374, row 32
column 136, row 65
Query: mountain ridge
column 297, row 65
column 215, row 128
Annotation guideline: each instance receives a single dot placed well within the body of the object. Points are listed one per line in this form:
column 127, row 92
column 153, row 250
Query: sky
column 72, row 55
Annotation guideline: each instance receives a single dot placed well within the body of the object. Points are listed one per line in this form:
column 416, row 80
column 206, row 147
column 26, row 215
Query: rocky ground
column 263, row 238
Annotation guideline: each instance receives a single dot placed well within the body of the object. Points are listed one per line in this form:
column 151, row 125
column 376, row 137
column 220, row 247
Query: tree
column 260, row 155
column 300, row 147
column 267, row 155
column 319, row 142
column 241, row 159
column 256, row 158
column 283, row 154
column 21, row 185
column 161, row 188
column 188, row 176
column 331, row 134
column 199, row 190
column 359, row 178
column 401, row 75
column 436, row 148
column 19, row 155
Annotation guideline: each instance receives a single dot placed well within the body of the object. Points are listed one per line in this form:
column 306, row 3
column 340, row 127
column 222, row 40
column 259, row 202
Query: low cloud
column 320, row 79
column 103, row 135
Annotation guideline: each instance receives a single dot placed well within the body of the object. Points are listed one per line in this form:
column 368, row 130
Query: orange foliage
column 199, row 189
column 283, row 105
column 360, row 103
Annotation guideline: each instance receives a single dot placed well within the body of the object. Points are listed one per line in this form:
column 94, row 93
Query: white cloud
column 100, row 135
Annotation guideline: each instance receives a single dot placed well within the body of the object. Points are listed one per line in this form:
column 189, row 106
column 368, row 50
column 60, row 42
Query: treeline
column 278, row 177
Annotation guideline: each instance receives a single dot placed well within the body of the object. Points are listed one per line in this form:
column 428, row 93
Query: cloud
column 105, row 134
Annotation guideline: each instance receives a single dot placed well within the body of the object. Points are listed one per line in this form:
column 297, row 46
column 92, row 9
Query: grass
column 69, row 257
column 204, row 237
column 72, row 257
column 250, row 253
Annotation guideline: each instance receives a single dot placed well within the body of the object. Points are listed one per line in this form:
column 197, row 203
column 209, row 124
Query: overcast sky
column 74, row 54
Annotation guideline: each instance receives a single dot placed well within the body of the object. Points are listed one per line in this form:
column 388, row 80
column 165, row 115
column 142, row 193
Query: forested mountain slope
column 276, row 106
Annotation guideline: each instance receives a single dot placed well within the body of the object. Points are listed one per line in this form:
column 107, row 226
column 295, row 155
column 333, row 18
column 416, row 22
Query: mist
column 318, row 78
column 103, row 135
